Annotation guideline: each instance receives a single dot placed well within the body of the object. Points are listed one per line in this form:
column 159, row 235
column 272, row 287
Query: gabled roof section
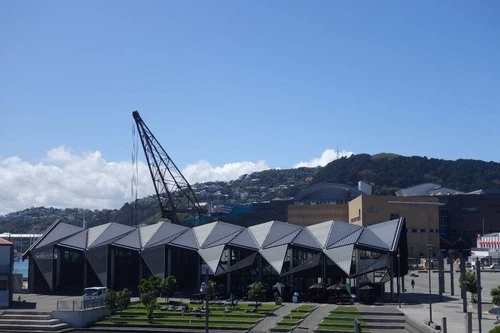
column 306, row 239
column 280, row 233
column 321, row 231
column 244, row 239
column 108, row 234
column 221, row 234
column 368, row 238
column 388, row 232
column 54, row 233
column 186, row 240
column 202, row 232
column 78, row 241
column 165, row 233
column 260, row 231
column 131, row 240
column 343, row 233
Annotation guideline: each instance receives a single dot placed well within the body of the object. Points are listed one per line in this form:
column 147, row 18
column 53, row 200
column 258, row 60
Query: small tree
column 111, row 301
column 123, row 299
column 257, row 294
column 169, row 286
column 150, row 289
column 469, row 284
column 495, row 293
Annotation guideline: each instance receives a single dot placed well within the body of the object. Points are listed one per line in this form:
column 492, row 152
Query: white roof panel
column 212, row 256
column 201, row 232
column 321, row 231
column 275, row 256
column 260, row 231
column 342, row 256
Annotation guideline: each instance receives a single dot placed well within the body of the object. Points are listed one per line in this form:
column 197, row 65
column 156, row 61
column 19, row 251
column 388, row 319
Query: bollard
column 468, row 322
column 444, row 328
column 357, row 326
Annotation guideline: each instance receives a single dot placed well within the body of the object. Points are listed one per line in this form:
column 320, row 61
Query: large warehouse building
column 67, row 258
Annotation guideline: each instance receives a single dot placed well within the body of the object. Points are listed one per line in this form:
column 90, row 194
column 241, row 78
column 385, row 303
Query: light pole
column 204, row 289
column 399, row 277
column 429, row 248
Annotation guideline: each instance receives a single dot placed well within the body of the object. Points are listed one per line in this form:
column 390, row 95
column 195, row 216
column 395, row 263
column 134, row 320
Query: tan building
column 322, row 202
column 421, row 214
column 309, row 214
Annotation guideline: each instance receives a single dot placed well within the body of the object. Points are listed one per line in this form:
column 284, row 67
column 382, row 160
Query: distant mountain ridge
column 386, row 172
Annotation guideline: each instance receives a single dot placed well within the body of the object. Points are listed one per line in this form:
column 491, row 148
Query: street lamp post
column 204, row 289
column 429, row 248
column 399, row 277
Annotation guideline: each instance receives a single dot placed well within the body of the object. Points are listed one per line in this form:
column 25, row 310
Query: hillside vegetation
column 385, row 172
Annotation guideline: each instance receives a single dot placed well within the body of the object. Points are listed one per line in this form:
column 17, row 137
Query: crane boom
column 175, row 196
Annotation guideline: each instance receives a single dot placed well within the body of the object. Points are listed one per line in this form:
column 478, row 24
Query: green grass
column 305, row 308
column 238, row 318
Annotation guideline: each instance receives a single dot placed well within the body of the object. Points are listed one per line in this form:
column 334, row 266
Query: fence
column 81, row 304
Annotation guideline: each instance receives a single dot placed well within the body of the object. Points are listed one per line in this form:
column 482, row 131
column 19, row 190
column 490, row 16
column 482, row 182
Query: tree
column 495, row 293
column 169, row 286
column 122, row 299
column 111, row 301
column 150, row 289
column 257, row 294
column 470, row 284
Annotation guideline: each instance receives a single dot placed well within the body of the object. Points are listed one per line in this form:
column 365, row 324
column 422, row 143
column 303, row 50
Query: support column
column 169, row 262
column 57, row 257
column 452, row 268
column 228, row 276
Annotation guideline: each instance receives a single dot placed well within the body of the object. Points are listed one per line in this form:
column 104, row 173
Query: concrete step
column 32, row 328
column 31, row 321
column 51, row 321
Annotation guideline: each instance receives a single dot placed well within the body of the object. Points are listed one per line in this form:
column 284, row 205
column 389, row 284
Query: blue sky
column 231, row 87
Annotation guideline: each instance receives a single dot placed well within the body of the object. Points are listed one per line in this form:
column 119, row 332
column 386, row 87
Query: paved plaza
column 414, row 303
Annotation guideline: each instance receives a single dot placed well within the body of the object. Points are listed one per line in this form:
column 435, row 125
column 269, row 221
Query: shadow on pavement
column 22, row 305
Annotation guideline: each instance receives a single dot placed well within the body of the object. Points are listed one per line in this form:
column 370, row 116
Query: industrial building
column 67, row 258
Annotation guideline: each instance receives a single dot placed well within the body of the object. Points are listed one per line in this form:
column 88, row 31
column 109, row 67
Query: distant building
column 463, row 217
column 6, row 268
column 426, row 189
column 421, row 215
column 322, row 202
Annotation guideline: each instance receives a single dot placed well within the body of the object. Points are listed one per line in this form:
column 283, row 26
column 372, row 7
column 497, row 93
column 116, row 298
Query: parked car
column 495, row 266
column 94, row 292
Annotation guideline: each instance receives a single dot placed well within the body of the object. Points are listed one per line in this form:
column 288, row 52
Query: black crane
column 175, row 196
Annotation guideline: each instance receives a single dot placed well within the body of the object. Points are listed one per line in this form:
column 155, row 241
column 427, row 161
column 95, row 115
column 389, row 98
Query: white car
column 495, row 266
column 94, row 292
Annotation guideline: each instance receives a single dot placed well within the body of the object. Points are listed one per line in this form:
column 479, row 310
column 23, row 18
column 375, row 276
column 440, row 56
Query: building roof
column 426, row 189
column 336, row 239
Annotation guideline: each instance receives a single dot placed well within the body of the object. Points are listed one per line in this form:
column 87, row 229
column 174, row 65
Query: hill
column 385, row 172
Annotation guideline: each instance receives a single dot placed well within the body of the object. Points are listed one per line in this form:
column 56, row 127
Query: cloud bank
column 67, row 180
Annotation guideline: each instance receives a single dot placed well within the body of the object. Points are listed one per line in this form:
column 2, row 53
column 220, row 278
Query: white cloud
column 67, row 180
column 203, row 171
column 326, row 157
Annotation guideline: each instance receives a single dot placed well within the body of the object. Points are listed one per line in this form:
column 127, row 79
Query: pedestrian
column 412, row 284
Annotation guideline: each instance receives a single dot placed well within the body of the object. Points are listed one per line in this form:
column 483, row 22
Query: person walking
column 412, row 284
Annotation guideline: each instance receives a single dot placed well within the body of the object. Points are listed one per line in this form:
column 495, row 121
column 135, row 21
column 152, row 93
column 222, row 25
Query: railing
column 81, row 304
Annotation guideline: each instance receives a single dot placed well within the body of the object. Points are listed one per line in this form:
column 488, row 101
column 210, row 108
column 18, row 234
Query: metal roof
column 336, row 239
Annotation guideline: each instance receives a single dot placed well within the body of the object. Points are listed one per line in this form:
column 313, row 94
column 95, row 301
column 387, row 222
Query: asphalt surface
column 414, row 303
